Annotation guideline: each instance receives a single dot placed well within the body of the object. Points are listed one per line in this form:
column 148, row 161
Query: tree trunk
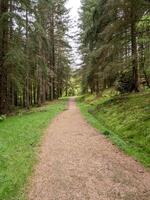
column 34, row 94
column 27, row 100
column 3, row 51
column 142, row 64
column 135, row 68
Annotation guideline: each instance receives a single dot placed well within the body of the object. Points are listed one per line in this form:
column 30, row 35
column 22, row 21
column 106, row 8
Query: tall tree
column 109, row 42
column 4, row 7
column 34, row 52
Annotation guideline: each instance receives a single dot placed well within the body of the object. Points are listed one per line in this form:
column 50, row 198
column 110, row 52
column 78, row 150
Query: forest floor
column 78, row 163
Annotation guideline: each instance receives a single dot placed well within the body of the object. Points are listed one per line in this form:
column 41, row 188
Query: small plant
column 2, row 118
column 106, row 133
column 91, row 110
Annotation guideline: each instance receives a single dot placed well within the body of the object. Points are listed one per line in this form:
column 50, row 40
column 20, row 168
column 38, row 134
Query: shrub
column 2, row 118
column 124, row 82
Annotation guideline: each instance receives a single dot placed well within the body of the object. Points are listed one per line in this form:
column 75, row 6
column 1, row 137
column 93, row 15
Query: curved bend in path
column 78, row 163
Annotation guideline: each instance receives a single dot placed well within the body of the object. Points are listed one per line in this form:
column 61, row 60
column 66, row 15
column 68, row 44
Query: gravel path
column 78, row 163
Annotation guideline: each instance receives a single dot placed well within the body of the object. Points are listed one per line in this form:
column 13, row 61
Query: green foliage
column 34, row 50
column 74, row 86
column 124, row 119
column 110, row 33
column 19, row 139
column 2, row 118
column 124, row 82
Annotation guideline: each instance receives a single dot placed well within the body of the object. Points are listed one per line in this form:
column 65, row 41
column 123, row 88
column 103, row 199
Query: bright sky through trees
column 74, row 6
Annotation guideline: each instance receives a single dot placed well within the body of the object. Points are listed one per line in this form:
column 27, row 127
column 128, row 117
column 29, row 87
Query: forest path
column 78, row 163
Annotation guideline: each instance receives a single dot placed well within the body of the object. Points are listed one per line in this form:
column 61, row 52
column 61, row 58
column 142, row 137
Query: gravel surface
column 78, row 163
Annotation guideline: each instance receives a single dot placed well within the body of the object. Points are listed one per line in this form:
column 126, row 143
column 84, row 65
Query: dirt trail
column 78, row 163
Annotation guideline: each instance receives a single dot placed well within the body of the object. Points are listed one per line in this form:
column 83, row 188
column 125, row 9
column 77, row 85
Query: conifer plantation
column 74, row 99
column 115, row 45
column 34, row 52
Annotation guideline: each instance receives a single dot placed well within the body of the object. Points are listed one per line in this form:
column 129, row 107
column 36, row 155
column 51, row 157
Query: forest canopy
column 115, row 45
column 34, row 52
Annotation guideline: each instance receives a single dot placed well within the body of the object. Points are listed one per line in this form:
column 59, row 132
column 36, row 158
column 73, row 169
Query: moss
column 127, row 118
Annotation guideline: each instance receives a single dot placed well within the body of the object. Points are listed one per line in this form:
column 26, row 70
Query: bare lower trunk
column 3, row 51
column 135, row 68
column 146, row 78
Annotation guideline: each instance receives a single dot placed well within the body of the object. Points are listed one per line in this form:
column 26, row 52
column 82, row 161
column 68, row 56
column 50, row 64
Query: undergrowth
column 125, row 119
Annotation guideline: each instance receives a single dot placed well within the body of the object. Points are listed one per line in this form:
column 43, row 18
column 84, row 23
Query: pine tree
column 109, row 42
column 34, row 56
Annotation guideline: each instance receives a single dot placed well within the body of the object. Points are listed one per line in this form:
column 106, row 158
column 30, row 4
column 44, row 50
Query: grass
column 124, row 119
column 19, row 138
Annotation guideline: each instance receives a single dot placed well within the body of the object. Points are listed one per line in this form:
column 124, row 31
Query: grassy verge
column 19, row 138
column 124, row 119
